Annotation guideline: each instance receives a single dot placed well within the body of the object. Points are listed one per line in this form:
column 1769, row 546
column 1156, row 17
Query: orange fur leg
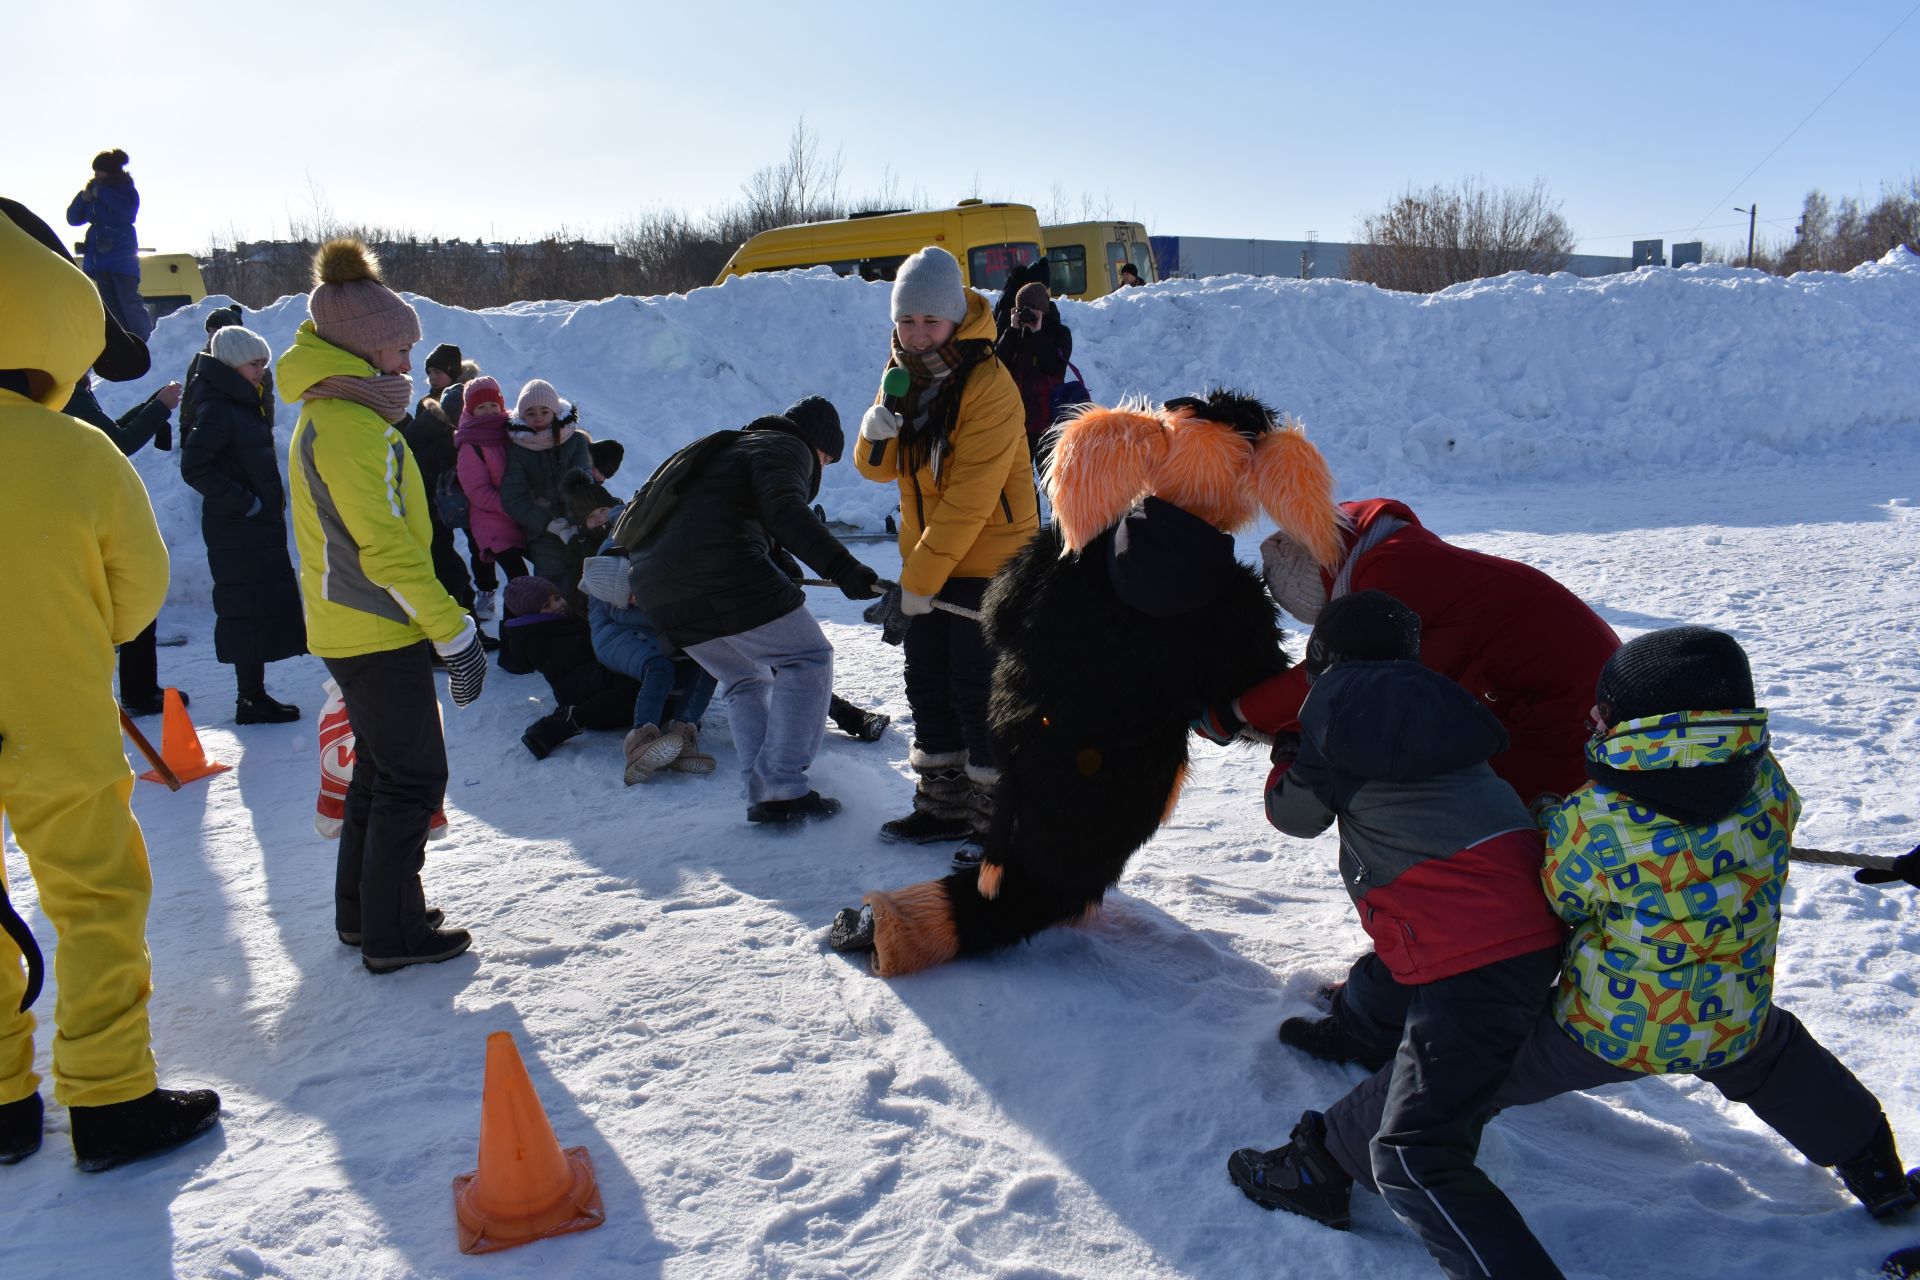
column 989, row 882
column 913, row 929
column 1173, row 795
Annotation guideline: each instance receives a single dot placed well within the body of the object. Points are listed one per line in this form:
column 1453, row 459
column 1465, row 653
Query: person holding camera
column 1035, row 346
column 107, row 207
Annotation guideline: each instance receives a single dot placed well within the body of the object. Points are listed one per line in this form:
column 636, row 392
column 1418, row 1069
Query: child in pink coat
column 482, row 443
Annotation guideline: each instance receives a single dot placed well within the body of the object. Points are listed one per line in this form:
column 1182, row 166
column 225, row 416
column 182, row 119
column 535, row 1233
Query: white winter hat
column 234, row 346
column 606, row 578
column 1293, row 576
column 929, row 284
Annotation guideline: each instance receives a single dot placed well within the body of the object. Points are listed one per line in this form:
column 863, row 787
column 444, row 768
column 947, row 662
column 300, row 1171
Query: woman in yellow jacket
column 86, row 570
column 956, row 444
column 373, row 602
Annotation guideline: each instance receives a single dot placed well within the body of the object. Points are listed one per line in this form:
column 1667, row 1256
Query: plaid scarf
column 388, row 395
column 933, row 399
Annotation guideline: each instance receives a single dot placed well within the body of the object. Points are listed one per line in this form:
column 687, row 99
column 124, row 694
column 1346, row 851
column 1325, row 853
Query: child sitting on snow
column 673, row 690
column 543, row 635
column 1670, row 864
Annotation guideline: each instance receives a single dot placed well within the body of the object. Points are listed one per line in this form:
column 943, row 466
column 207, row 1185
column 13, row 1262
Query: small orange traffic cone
column 180, row 745
column 526, row 1187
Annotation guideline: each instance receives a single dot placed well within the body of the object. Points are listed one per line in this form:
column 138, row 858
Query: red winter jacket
column 1504, row 631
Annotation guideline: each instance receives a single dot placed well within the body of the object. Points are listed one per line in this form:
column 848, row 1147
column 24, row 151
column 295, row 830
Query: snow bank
column 1521, row 378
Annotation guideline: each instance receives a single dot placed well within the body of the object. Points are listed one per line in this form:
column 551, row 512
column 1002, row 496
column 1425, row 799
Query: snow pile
column 1521, row 378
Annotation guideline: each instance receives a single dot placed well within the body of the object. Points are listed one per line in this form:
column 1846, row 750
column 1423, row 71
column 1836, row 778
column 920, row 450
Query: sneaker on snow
column 798, row 809
column 439, row 944
column 969, row 856
column 1324, row 1038
column 649, row 750
column 20, row 1129
column 112, row 1135
column 483, row 605
column 435, row 917
column 921, row 827
column 264, row 710
column 1301, row 1177
column 852, row 929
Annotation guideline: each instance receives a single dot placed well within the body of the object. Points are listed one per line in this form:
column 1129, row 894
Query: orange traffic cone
column 180, row 745
column 526, row 1187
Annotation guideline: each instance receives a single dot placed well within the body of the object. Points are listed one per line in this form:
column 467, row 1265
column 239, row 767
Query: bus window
column 1068, row 268
column 1117, row 253
column 881, row 268
column 989, row 265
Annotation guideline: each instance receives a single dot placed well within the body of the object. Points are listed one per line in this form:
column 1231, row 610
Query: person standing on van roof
column 1129, row 275
column 107, row 207
column 1035, row 346
column 956, row 444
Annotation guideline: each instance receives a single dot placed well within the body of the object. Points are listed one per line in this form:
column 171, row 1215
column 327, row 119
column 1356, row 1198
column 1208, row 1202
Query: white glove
column 561, row 528
column 880, row 423
column 913, row 604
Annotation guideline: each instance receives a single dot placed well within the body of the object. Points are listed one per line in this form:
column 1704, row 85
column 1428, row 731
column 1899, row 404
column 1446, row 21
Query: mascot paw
column 852, row 929
column 988, row 885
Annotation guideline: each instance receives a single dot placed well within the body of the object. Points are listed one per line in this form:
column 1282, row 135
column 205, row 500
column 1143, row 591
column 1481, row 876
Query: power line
column 1668, row 231
column 1803, row 120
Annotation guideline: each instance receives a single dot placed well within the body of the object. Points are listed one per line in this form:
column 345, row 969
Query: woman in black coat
column 230, row 458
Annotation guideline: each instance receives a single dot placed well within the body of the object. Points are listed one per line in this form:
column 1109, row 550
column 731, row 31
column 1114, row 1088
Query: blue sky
column 1233, row 119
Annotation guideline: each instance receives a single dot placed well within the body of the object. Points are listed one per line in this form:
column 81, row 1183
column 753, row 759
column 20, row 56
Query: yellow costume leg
column 17, row 1079
column 90, row 864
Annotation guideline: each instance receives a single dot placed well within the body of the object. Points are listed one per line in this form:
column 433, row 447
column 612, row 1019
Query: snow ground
column 757, row 1106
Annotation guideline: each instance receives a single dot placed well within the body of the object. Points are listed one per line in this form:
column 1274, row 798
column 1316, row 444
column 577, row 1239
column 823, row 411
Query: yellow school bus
column 989, row 238
column 170, row 281
column 1085, row 257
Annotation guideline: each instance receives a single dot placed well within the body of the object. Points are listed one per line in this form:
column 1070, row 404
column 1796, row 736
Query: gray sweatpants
column 777, row 679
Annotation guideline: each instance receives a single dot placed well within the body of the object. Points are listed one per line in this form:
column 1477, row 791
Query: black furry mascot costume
column 1115, row 626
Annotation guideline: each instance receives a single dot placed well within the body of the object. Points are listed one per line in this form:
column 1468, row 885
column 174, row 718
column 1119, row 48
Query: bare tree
column 1427, row 240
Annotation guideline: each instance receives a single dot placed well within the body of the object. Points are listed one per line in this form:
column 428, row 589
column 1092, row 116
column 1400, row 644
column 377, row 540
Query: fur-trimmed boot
column 981, row 782
column 691, row 758
column 649, row 750
column 939, row 800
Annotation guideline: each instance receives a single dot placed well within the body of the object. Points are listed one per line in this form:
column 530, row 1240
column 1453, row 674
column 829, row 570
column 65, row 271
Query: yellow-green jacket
column 86, row 568
column 982, row 508
column 359, row 517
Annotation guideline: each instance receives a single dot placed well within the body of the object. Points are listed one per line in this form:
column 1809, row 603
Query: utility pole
column 1752, row 215
column 1306, row 255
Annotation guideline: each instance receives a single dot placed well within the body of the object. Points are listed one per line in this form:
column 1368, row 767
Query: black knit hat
column 225, row 318
column 1679, row 669
column 1367, row 626
column 607, row 456
column 446, row 358
column 819, row 424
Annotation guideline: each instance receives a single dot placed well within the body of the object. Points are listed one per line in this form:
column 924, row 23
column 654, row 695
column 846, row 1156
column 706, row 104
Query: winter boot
column 852, row 929
column 868, row 726
column 435, row 917
column 548, row 732
column 798, row 809
column 1904, row 1265
column 438, row 944
column 140, row 706
column 260, row 709
column 1301, row 1177
column 939, row 800
column 1326, row 1039
column 20, row 1127
column 105, row 1137
column 483, row 605
column 1876, row 1178
column 981, row 781
column 649, row 750
column 691, row 758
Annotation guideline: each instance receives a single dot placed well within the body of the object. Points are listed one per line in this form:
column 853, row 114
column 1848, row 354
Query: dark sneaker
column 799, row 809
column 1904, row 1265
column 548, row 732
column 440, row 944
column 852, row 929
column 1324, row 1038
column 1301, row 1177
column 969, row 856
column 113, row 1135
column 20, row 1125
column 264, row 710
column 1876, row 1178
column 921, row 827
column 435, row 917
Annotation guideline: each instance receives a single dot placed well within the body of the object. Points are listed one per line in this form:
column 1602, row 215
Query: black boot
column 433, row 947
column 922, row 827
column 852, row 929
column 1324, row 1038
column 105, row 1137
column 798, row 809
column 20, row 1129
column 939, row 800
column 435, row 917
column 260, row 709
column 1301, row 1177
column 1904, row 1265
column 151, row 705
column 549, row 731
column 1876, row 1178
column 868, row 726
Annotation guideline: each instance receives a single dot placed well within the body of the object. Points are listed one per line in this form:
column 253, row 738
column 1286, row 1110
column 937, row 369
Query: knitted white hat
column 234, row 346
column 929, row 284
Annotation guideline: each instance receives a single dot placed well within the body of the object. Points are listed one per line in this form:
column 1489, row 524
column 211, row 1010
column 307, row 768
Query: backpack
column 450, row 500
column 1065, row 395
column 657, row 498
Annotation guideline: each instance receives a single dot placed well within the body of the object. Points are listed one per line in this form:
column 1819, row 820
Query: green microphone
column 893, row 391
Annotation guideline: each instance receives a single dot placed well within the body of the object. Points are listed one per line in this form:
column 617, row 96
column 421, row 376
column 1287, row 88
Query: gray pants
column 120, row 294
column 777, row 679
